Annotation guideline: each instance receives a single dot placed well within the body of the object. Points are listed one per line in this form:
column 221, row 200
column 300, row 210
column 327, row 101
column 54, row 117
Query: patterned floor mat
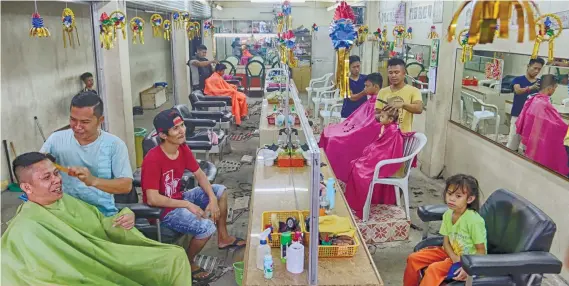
column 241, row 136
column 227, row 166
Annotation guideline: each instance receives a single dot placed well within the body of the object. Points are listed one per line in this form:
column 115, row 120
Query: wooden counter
column 283, row 189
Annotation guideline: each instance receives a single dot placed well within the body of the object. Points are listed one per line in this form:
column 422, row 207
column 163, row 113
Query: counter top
column 277, row 189
column 484, row 90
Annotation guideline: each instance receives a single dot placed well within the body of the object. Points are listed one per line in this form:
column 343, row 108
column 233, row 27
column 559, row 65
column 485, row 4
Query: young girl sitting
column 464, row 232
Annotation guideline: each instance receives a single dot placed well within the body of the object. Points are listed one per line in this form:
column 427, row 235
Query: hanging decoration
column 466, row 47
column 119, row 23
column 289, row 44
column 343, row 34
column 106, row 33
column 362, row 35
column 167, row 29
column 280, row 22
column 137, row 28
column 409, row 33
column 487, row 14
column 178, row 20
column 314, row 28
column 193, row 30
column 156, row 22
column 433, row 34
column 185, row 19
column 399, row 34
column 377, row 35
column 38, row 29
column 493, row 70
column 68, row 22
column 208, row 28
column 546, row 34
column 286, row 8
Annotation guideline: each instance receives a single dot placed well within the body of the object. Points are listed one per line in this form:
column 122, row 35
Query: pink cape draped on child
column 542, row 130
column 345, row 141
column 389, row 145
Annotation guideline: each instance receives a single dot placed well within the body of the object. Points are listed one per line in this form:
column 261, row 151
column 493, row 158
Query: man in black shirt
column 200, row 68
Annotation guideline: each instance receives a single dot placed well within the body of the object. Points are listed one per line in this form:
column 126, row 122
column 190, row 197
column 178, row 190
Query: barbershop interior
column 285, row 142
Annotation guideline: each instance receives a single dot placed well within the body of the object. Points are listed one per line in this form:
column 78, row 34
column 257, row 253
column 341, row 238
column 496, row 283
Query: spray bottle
column 263, row 248
column 331, row 192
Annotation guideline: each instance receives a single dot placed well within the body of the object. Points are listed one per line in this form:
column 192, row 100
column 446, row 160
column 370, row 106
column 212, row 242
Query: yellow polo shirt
column 566, row 141
column 409, row 94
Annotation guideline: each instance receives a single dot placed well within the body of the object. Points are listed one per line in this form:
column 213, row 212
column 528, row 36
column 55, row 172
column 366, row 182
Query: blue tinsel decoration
column 37, row 22
column 342, row 33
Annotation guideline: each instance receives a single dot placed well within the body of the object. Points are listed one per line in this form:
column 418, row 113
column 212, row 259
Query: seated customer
column 56, row 239
column 185, row 212
column 345, row 141
column 464, row 232
column 388, row 145
column 216, row 85
column 542, row 129
column 98, row 162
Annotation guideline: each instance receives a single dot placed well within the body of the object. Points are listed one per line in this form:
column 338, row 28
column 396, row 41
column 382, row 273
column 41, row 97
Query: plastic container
column 330, row 251
column 290, row 161
column 268, row 157
column 275, row 241
column 139, row 134
column 263, row 249
column 286, row 240
column 268, row 266
column 331, row 193
column 238, row 269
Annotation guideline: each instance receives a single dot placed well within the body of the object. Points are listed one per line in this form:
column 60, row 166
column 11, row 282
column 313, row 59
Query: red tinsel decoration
column 344, row 11
column 288, row 35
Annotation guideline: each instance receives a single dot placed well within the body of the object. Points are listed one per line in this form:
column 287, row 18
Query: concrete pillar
column 180, row 58
column 439, row 105
column 114, row 70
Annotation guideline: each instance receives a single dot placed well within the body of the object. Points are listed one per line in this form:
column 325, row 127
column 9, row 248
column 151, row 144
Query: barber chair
column 201, row 105
column 223, row 121
column 519, row 238
column 198, row 129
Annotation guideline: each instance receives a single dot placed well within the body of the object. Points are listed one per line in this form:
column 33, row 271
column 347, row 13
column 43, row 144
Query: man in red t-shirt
column 184, row 212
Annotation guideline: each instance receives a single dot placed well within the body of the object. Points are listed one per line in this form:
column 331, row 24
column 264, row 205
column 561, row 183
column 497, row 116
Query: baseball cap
column 166, row 119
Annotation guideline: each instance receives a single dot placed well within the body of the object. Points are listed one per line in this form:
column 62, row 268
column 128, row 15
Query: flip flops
column 235, row 244
column 201, row 279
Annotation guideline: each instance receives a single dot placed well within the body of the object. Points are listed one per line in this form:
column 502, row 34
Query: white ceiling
column 198, row 9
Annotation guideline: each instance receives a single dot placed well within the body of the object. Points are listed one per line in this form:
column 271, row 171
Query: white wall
column 39, row 76
column 497, row 168
column 149, row 63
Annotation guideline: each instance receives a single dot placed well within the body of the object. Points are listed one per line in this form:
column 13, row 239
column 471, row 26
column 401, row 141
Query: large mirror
column 417, row 60
column 520, row 103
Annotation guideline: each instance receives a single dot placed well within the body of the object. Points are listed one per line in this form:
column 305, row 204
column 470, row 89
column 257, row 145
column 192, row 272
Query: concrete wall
column 39, row 76
column 497, row 168
column 149, row 63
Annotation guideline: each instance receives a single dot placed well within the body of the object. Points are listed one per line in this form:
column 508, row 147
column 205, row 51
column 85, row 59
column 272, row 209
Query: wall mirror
column 492, row 92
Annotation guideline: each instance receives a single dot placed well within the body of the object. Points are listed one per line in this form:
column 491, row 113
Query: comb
column 61, row 168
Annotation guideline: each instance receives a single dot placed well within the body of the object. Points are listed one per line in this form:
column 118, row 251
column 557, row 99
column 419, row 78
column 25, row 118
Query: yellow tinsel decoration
column 343, row 72
column 38, row 29
column 68, row 22
column 167, row 29
column 156, row 22
column 545, row 36
column 292, row 61
column 119, row 19
column 399, row 34
column 137, row 28
column 106, row 34
column 193, row 30
column 466, row 48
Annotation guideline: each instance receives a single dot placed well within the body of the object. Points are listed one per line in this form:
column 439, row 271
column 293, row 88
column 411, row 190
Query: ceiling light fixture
column 277, row 1
column 218, row 7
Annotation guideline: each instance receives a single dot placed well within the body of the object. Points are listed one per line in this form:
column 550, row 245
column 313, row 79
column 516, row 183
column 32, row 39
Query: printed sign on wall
column 421, row 13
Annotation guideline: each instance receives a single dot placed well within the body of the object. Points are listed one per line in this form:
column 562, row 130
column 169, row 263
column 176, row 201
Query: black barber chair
column 200, row 109
column 143, row 212
column 519, row 238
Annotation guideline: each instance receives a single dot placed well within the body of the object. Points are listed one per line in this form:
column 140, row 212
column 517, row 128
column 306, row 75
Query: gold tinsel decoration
column 68, row 26
column 137, row 28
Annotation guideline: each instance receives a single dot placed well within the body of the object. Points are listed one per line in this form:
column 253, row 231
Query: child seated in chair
column 464, row 232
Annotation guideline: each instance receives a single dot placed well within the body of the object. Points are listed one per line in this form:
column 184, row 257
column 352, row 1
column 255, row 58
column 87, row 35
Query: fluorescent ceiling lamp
column 230, row 35
column 277, row 1
column 218, row 7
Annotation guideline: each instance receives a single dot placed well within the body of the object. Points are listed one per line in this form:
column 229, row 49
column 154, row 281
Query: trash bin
column 139, row 134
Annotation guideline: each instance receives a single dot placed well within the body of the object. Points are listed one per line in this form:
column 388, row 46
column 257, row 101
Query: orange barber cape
column 215, row 85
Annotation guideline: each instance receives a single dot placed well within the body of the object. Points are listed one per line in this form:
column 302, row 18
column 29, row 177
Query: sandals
column 234, row 244
column 201, row 279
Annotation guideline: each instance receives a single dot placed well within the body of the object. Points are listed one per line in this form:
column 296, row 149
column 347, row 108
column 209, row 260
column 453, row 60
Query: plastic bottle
column 286, row 240
column 263, row 248
column 331, row 192
column 268, row 266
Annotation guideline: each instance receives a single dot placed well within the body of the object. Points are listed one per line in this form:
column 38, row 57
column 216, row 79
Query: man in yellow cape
column 55, row 239
column 215, row 85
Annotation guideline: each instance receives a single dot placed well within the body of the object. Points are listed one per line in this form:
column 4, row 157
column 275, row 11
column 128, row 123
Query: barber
column 357, row 88
column 200, row 68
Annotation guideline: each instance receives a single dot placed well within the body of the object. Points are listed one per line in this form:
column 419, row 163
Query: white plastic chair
column 332, row 115
column 319, row 84
column 423, row 87
column 412, row 146
column 326, row 97
column 487, row 112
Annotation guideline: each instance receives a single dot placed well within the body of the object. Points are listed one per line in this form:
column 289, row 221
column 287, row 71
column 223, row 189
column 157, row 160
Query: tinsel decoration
column 68, row 26
column 38, row 29
column 362, row 35
column 106, row 33
column 119, row 21
column 137, row 28
column 156, row 21
column 313, row 29
column 207, row 28
column 286, row 8
column 399, row 34
column 343, row 35
column 466, row 48
column 546, row 34
column 290, row 44
column 280, row 22
column 433, row 34
column 193, row 30
column 487, row 14
column 167, row 29
column 178, row 20
column 377, row 34
column 493, row 70
column 409, row 33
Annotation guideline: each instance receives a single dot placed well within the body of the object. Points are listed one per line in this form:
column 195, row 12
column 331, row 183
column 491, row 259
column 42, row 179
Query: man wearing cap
column 216, row 85
column 199, row 211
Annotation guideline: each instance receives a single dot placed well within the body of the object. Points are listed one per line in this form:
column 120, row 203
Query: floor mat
column 227, row 166
column 241, row 136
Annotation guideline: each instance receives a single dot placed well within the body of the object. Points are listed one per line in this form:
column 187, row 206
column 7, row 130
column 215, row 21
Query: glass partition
column 228, row 45
column 494, row 98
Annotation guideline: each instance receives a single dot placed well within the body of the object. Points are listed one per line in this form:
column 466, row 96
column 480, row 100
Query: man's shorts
column 184, row 221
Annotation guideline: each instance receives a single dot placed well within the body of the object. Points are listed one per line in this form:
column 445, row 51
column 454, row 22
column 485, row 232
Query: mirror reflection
column 518, row 102
column 417, row 60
